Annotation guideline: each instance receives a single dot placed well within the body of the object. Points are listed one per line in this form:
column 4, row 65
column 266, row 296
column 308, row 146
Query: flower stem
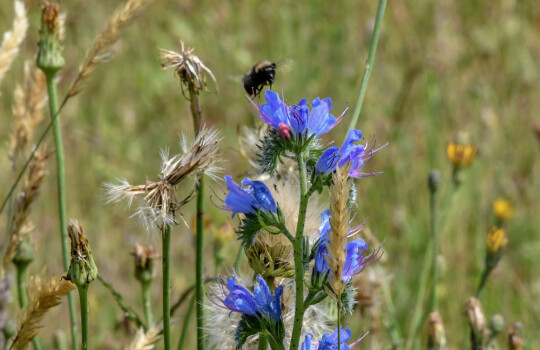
column 369, row 63
column 298, row 255
column 53, row 108
column 185, row 325
column 339, row 323
column 263, row 342
column 166, row 244
column 483, row 280
column 21, row 277
column 435, row 246
column 196, row 113
column 83, row 298
column 147, row 305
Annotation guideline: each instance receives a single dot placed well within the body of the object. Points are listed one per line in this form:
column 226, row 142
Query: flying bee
column 260, row 75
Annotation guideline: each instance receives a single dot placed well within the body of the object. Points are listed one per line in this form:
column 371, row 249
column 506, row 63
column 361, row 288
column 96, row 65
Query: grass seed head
column 11, row 41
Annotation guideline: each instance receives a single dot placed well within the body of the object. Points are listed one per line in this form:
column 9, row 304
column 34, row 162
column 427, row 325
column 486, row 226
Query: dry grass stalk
column 145, row 340
column 102, row 49
column 28, row 105
column 29, row 192
column 161, row 203
column 339, row 223
column 42, row 296
column 13, row 39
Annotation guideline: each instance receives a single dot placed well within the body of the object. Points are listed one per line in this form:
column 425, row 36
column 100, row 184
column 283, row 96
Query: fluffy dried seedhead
column 42, row 296
column 102, row 49
column 339, row 223
column 160, row 202
column 145, row 340
column 189, row 68
column 13, row 39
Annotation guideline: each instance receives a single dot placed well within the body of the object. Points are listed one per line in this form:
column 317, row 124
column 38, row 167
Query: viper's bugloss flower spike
column 298, row 120
column 189, row 68
column 503, row 210
column 82, row 270
column 49, row 58
column 357, row 155
column 160, row 201
column 259, row 303
column 330, row 341
column 254, row 196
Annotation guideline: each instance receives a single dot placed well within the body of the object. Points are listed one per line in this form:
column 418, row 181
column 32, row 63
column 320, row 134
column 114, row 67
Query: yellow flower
column 497, row 240
column 461, row 155
column 503, row 209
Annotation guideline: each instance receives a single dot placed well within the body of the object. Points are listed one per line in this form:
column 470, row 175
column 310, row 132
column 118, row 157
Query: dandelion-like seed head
column 503, row 209
column 161, row 205
column 189, row 68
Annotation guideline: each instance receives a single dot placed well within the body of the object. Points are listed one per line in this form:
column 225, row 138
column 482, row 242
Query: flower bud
column 24, row 253
column 436, row 333
column 496, row 242
column 9, row 330
column 144, row 265
column 434, row 180
column 82, row 270
column 497, row 324
column 514, row 340
column 477, row 320
column 49, row 58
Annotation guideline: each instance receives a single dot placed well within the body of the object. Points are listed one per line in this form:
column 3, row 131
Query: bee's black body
column 258, row 76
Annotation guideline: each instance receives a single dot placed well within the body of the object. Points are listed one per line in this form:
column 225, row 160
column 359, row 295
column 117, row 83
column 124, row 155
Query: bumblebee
column 260, row 75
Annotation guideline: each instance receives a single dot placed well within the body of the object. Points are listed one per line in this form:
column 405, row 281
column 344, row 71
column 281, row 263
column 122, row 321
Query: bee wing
column 285, row 65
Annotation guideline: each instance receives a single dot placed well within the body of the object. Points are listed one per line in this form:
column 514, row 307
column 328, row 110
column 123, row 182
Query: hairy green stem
column 166, row 258
column 21, row 285
column 53, row 109
column 299, row 254
column 83, row 298
column 369, row 63
column 435, row 246
column 196, row 114
column 147, row 304
column 263, row 342
column 185, row 324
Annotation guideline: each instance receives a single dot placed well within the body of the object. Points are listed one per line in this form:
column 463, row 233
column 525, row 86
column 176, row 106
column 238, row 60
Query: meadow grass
column 441, row 68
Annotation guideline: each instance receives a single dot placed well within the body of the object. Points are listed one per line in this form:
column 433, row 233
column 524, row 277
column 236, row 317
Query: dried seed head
column 42, row 296
column 13, row 39
column 436, row 333
column 514, row 340
column 82, row 270
column 477, row 320
column 21, row 225
column 144, row 266
column 49, row 58
column 339, row 223
column 189, row 68
column 145, row 340
column 160, row 202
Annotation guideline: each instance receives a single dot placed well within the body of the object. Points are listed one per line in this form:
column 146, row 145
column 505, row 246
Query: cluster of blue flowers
column 328, row 341
column 355, row 250
column 259, row 303
column 296, row 129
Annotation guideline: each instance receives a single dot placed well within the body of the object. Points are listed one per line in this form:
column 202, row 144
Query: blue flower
column 357, row 155
column 248, row 200
column 328, row 341
column 356, row 260
column 261, row 302
column 298, row 120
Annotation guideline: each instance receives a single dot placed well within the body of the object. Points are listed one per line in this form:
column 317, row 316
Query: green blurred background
column 441, row 67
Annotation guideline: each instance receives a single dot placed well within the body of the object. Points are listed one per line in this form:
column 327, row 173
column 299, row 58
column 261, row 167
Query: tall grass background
column 441, row 68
